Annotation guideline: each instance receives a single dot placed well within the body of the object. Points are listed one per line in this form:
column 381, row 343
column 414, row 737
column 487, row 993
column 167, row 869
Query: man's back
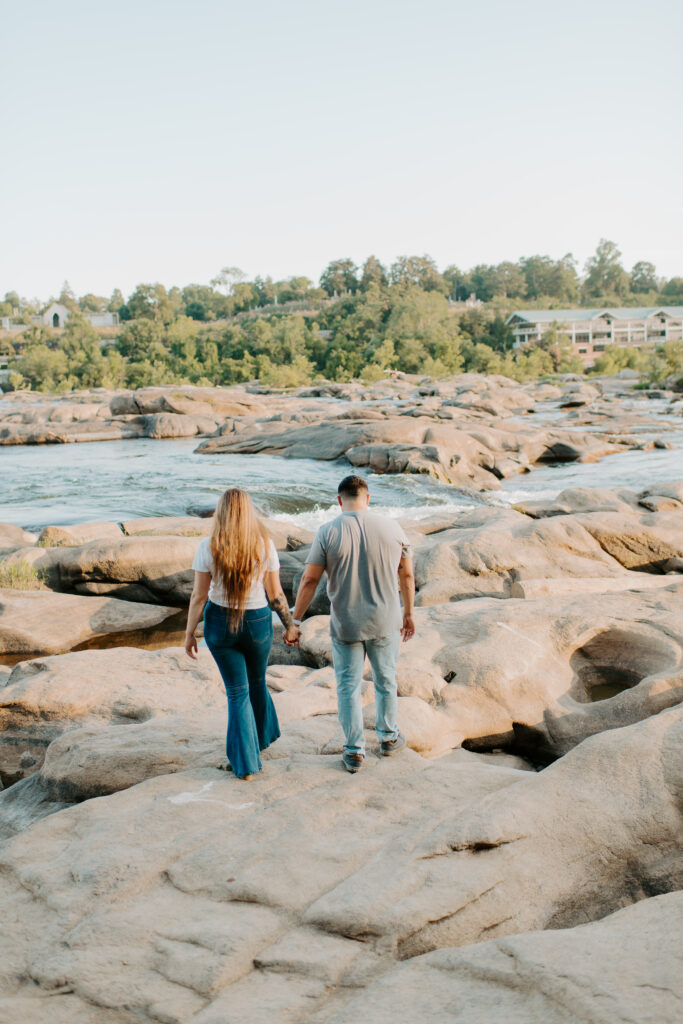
column 361, row 552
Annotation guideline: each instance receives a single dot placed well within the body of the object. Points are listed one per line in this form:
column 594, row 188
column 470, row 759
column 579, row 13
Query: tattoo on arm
column 280, row 606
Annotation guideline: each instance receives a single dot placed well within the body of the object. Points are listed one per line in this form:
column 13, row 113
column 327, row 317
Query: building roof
column 56, row 306
column 544, row 316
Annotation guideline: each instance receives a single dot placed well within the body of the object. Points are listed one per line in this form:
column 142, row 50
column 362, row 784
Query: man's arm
column 307, row 588
column 406, row 584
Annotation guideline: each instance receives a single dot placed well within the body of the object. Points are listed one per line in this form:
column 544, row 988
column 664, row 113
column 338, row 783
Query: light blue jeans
column 349, row 659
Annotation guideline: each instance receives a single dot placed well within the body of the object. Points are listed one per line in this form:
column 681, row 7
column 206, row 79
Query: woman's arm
column 200, row 592
column 278, row 602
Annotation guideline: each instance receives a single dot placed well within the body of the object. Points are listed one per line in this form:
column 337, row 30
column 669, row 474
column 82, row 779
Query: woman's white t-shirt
column 256, row 598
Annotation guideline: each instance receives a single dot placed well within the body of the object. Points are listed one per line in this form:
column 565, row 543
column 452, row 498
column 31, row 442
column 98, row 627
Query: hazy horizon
column 161, row 142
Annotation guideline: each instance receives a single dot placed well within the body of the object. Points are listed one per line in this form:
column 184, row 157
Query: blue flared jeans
column 242, row 658
column 349, row 659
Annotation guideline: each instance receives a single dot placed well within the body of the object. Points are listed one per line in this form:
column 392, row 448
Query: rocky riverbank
column 467, row 430
column 520, row 861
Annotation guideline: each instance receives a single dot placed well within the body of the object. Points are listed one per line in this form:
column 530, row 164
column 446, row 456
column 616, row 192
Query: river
column 71, row 483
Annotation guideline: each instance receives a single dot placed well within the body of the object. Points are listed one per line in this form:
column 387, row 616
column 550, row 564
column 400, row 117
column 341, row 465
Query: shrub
column 21, row 576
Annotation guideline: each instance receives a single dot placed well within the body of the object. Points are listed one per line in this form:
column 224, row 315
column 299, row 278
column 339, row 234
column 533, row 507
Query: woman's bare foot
column 247, row 778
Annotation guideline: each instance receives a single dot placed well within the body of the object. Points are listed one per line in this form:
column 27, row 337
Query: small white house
column 56, row 315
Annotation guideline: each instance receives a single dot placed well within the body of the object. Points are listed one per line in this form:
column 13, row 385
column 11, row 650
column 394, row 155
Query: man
column 367, row 558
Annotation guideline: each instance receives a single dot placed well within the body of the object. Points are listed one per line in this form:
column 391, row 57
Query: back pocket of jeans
column 260, row 631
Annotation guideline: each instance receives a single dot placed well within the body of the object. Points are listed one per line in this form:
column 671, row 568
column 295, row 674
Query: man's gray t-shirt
column 361, row 552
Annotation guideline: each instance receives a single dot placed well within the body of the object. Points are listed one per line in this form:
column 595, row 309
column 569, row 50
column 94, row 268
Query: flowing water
column 72, row 483
column 118, row 480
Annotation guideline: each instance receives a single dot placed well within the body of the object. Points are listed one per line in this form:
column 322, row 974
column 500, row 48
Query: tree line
column 357, row 322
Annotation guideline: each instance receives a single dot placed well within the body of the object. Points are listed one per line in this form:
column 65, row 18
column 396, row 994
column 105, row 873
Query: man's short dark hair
column 352, row 486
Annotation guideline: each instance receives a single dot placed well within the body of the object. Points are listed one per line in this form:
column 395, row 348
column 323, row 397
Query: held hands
column 291, row 636
column 408, row 628
column 191, row 646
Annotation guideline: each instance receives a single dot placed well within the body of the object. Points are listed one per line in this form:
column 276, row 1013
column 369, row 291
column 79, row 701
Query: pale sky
column 160, row 140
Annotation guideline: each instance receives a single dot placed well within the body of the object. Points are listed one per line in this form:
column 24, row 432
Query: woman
column 237, row 569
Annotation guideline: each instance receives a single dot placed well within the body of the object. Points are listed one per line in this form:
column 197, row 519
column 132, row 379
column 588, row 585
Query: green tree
column 417, row 272
column 153, row 302
column 556, row 342
column 459, row 284
column 294, row 289
column 551, row 279
column 644, row 277
column 509, row 281
column 339, row 277
column 92, row 303
column 116, row 301
column 424, row 333
column 227, row 278
column 266, row 291
column 605, row 275
column 42, row 368
column 137, row 338
column 68, row 298
column 373, row 273
column 672, row 291
column 483, row 278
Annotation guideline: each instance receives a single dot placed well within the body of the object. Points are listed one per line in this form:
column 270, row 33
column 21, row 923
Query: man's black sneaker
column 389, row 747
column 352, row 762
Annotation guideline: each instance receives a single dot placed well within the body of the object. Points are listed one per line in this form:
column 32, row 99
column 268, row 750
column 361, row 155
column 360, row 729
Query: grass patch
column 45, row 542
column 21, row 576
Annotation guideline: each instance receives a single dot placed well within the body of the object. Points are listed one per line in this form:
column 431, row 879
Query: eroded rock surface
column 161, row 902
column 140, row 883
column 615, row 970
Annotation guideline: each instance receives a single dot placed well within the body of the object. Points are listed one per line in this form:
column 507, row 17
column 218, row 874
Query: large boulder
column 644, row 542
column 41, row 622
column 467, row 453
column 174, row 710
column 74, row 535
column 69, row 433
column 537, row 676
column 156, row 569
column 46, row 697
column 166, row 424
column 488, row 550
column 12, row 536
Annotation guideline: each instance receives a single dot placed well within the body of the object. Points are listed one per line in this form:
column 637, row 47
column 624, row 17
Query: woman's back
column 255, row 597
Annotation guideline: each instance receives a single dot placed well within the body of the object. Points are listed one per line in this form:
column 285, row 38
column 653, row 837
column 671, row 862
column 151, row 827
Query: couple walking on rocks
column 237, row 584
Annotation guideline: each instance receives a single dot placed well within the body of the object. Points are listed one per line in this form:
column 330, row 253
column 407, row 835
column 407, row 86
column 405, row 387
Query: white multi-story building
column 591, row 331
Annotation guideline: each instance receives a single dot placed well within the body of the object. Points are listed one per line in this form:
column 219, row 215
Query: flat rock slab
column 41, row 622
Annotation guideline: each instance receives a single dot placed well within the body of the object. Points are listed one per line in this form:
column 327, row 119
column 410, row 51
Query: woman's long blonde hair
column 239, row 549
